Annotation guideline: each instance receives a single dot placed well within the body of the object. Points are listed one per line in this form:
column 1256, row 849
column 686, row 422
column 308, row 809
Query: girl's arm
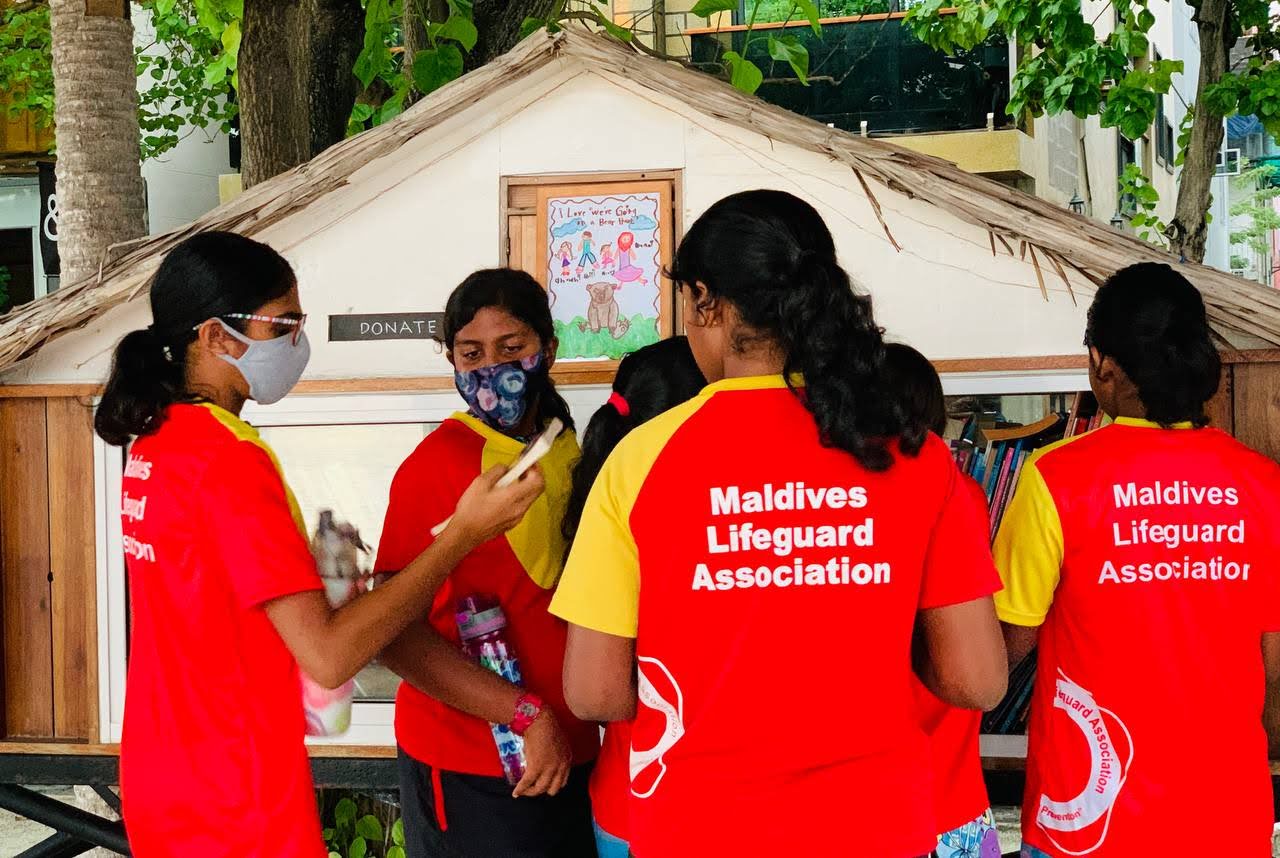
column 600, row 675
column 427, row 661
column 332, row 645
column 960, row 655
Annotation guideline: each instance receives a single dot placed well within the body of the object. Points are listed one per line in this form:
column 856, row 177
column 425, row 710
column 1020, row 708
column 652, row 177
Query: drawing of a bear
column 603, row 310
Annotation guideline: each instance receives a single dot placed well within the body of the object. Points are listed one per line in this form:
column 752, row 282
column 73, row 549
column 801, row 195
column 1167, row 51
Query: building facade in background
column 870, row 75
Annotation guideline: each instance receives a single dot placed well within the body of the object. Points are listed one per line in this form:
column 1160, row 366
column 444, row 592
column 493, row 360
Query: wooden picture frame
column 618, row 322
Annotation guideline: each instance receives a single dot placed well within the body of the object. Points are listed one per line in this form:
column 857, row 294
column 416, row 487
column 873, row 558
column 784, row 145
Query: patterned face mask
column 500, row 394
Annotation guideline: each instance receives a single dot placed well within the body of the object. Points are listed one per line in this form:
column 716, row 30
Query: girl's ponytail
column 770, row 255
column 146, row 378
column 830, row 338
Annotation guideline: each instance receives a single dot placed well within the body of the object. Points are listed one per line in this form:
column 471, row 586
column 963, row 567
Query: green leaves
column 707, row 8
column 345, row 812
column 530, row 26
column 622, row 34
column 789, row 49
column 434, row 67
column 369, row 828
column 461, row 30
column 1141, row 199
column 809, row 10
column 743, row 74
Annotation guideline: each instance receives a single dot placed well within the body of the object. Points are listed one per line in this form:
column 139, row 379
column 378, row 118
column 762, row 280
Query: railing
column 874, row 70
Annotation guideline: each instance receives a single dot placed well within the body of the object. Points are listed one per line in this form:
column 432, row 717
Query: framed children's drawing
column 601, row 251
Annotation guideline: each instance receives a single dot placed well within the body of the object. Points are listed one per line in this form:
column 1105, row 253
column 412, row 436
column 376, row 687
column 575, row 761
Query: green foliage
column 742, row 72
column 26, row 63
column 1254, row 215
column 578, row 343
column 1069, row 69
column 351, row 835
column 194, row 72
column 191, row 73
column 1141, row 199
column 389, row 82
column 5, row 278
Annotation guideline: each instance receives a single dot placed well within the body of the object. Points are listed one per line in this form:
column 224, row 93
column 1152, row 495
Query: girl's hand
column 546, row 757
column 485, row 511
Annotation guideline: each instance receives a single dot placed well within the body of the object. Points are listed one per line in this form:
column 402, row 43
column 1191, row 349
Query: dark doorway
column 17, row 268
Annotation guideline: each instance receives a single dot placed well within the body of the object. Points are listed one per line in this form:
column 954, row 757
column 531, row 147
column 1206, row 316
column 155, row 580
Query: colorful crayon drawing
column 628, row 273
column 569, row 227
column 604, row 268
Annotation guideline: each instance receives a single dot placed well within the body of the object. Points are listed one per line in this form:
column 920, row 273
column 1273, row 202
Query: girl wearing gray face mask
column 226, row 601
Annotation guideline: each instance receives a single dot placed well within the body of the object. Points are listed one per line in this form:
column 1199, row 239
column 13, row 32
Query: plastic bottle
column 482, row 626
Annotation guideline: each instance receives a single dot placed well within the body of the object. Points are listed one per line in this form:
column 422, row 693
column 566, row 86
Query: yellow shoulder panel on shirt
column 537, row 541
column 1028, row 549
column 600, row 588
column 244, row 432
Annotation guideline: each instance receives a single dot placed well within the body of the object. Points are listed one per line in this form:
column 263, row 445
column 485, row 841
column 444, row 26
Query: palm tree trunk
column 101, row 198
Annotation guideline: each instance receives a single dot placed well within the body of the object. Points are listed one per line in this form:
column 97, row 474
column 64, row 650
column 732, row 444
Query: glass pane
column 348, row 469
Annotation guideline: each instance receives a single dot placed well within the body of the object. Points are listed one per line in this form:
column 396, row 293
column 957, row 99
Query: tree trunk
column 296, row 83
column 1188, row 231
column 275, row 132
column 336, row 36
column 101, row 198
column 499, row 24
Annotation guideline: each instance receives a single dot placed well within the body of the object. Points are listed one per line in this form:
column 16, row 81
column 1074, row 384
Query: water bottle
column 482, row 626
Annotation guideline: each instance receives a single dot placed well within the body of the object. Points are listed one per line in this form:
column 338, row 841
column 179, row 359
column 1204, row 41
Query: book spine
column 1002, row 486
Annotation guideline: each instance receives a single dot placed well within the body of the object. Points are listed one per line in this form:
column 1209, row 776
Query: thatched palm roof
column 1057, row 241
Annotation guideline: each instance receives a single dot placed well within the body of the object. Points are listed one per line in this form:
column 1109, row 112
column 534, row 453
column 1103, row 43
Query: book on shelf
column 994, row 453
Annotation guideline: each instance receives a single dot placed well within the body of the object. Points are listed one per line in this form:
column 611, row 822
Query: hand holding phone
column 533, row 451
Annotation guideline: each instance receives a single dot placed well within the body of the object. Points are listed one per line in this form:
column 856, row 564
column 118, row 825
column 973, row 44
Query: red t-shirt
column 959, row 790
column 1147, row 557
column 611, row 782
column 520, row 568
column 213, row 761
column 772, row 599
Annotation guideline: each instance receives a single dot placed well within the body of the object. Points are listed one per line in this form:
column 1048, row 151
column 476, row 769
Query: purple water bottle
column 482, row 626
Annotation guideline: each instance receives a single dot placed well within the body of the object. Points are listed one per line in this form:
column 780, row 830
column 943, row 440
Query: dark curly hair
column 1151, row 321
column 770, row 255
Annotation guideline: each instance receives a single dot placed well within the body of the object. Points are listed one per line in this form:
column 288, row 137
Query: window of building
column 1162, row 130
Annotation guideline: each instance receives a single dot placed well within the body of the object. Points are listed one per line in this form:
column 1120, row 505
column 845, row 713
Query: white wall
column 410, row 227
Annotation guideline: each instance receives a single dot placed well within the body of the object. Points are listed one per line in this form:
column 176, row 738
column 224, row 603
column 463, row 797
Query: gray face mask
column 272, row 367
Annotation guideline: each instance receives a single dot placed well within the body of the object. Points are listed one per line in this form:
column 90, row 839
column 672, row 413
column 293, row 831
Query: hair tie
column 619, row 404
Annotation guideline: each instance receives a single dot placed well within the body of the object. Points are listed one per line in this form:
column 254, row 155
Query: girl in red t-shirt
column 753, row 562
column 650, row 381
column 499, row 336
column 226, row 600
column 959, row 791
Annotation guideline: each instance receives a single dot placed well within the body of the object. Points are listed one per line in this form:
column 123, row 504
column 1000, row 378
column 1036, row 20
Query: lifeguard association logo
column 658, row 690
column 1079, row 825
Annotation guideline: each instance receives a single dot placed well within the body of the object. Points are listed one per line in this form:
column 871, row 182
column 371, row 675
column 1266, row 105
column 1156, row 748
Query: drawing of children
column 627, row 271
column 606, row 258
column 566, row 258
column 587, row 256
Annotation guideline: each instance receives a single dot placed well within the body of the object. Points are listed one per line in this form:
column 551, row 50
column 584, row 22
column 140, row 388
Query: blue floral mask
column 500, row 394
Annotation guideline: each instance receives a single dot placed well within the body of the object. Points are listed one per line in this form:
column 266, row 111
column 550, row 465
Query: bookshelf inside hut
column 991, row 438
